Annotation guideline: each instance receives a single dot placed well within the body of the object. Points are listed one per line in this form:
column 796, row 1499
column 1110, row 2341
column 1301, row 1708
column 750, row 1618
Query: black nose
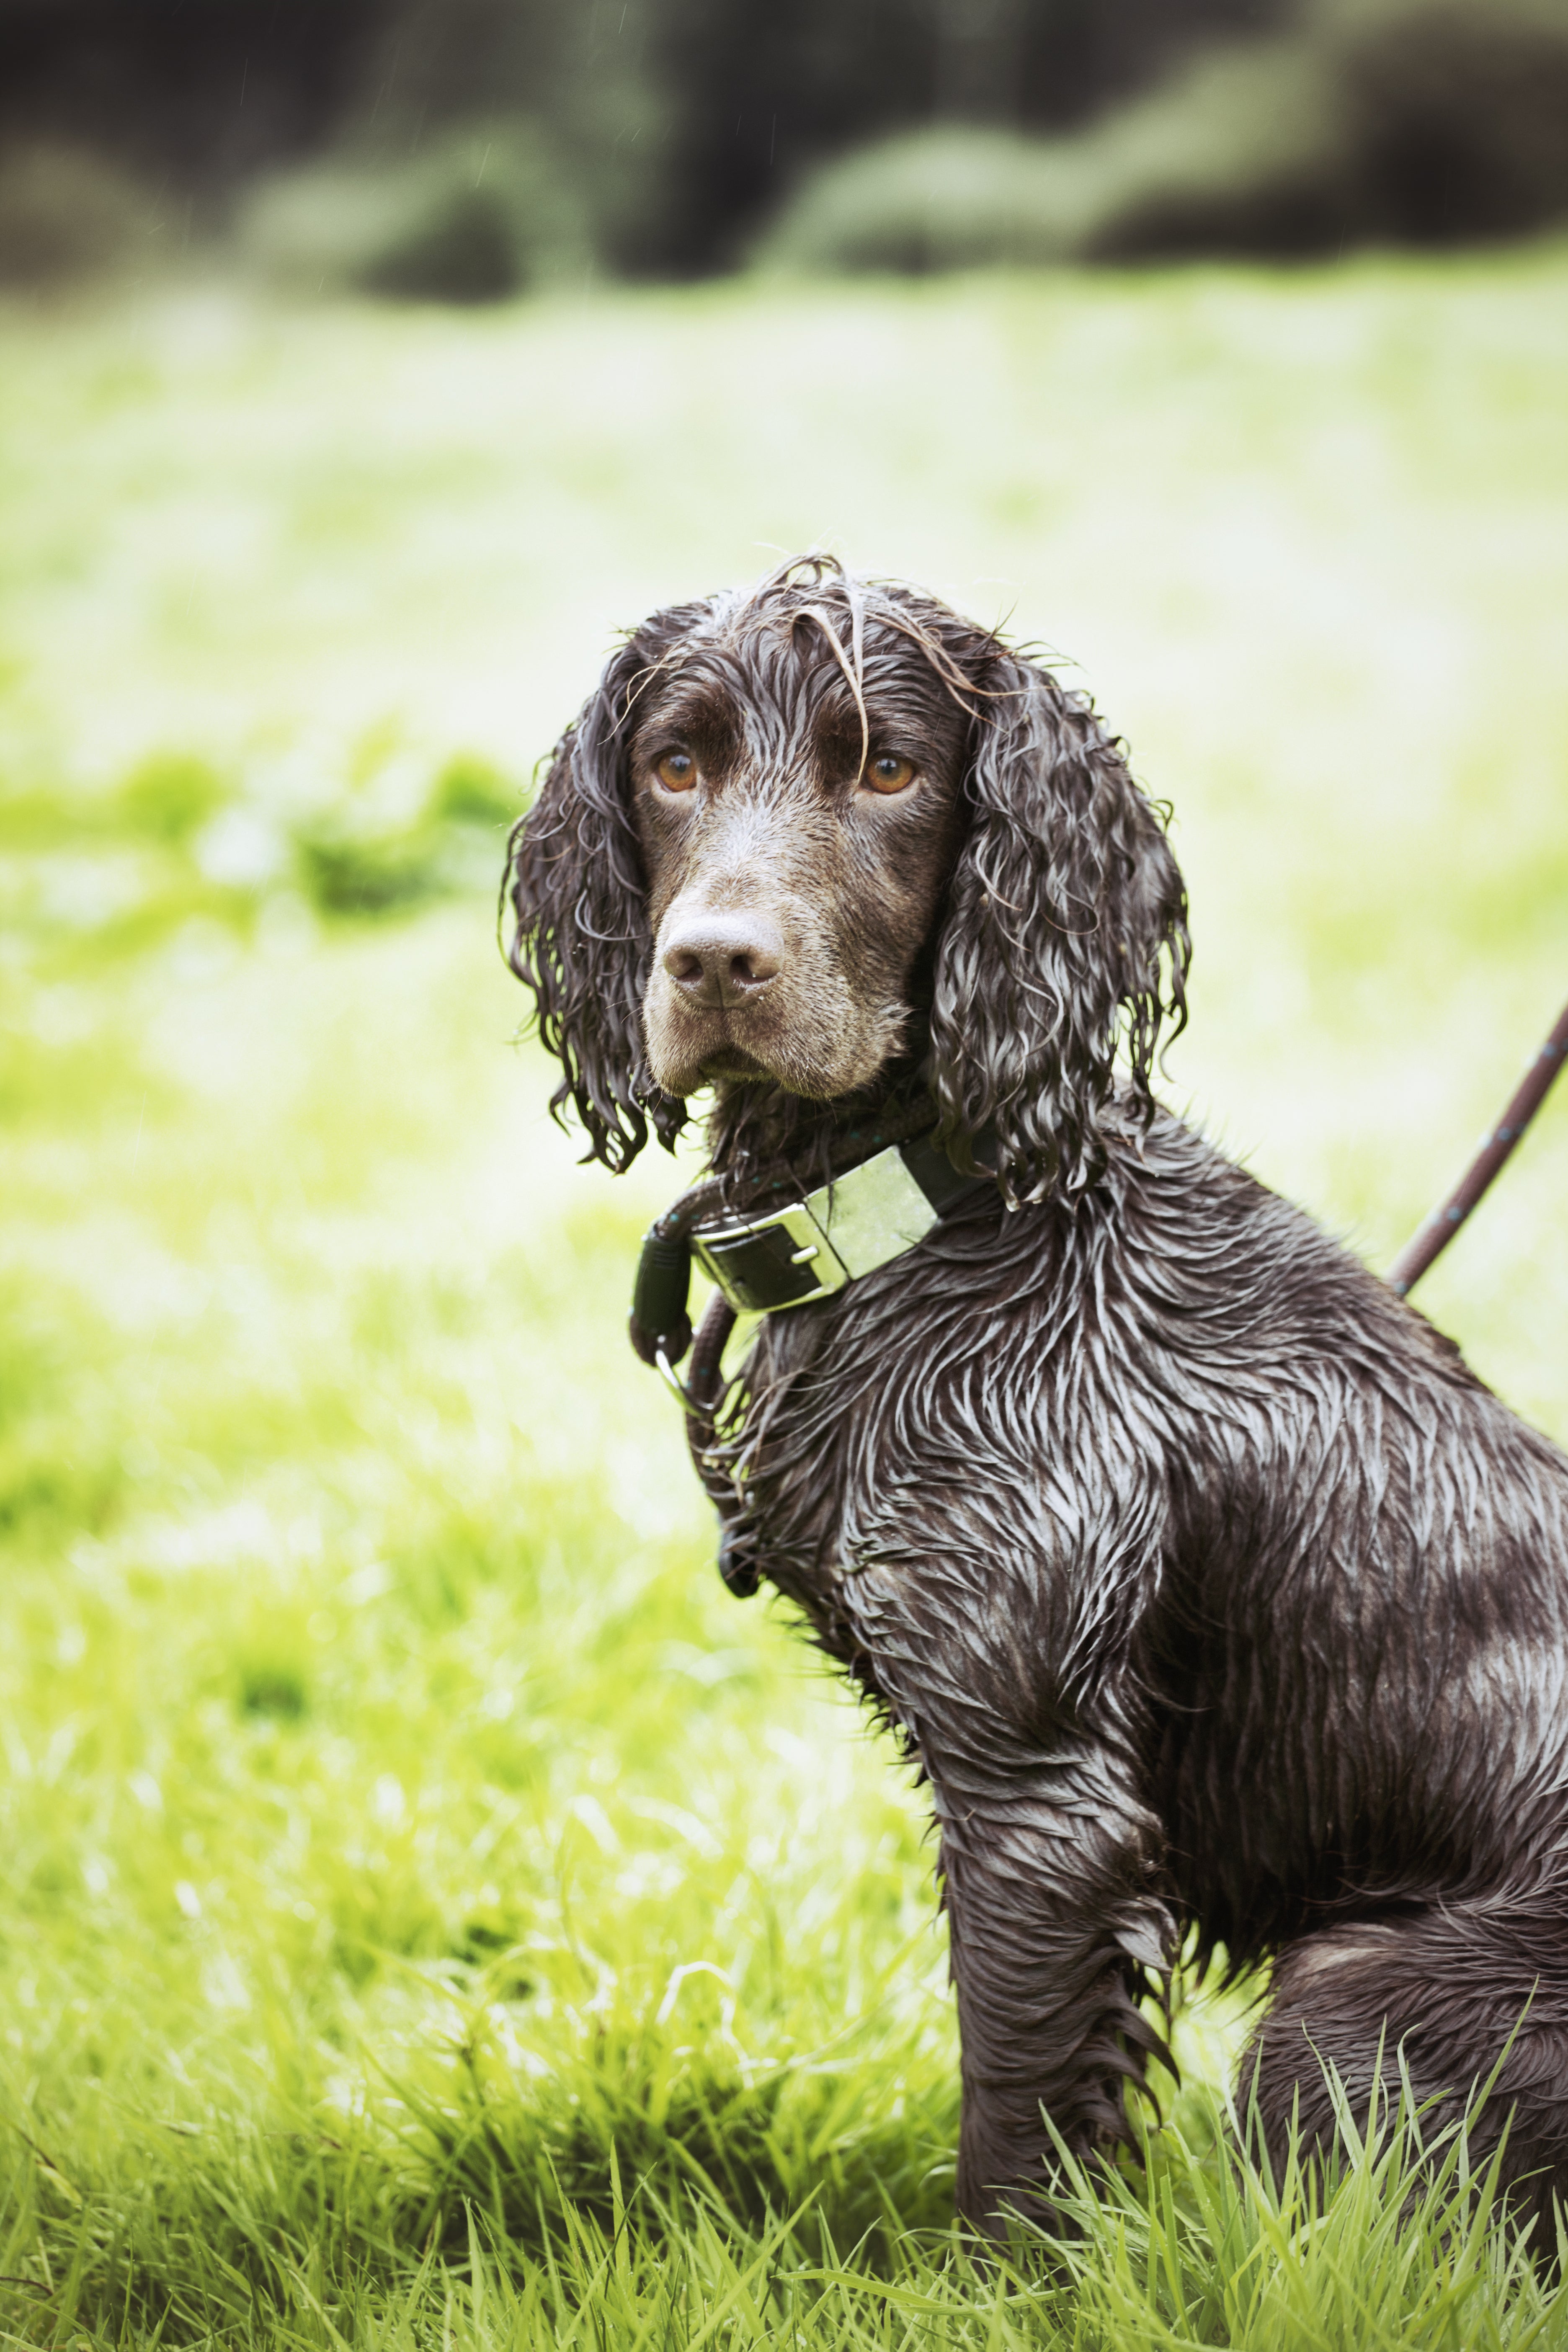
column 719, row 960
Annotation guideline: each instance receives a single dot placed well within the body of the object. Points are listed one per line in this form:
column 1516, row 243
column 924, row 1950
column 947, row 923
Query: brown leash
column 1439, row 1229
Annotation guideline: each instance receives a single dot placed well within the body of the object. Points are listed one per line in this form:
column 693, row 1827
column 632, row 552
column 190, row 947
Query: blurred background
column 397, row 1820
column 463, row 150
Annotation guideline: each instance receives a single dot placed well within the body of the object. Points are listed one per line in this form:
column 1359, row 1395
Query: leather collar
column 796, row 1248
column 772, row 1258
column 808, row 1248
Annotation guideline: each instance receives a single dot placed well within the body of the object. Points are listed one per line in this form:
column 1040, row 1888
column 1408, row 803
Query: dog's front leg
column 1048, row 1864
column 1050, row 1867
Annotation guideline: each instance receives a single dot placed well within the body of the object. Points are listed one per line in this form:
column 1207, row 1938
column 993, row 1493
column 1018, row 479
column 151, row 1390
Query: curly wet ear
column 580, row 936
column 1066, row 933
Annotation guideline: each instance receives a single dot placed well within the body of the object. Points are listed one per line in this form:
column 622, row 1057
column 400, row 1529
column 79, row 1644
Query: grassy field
column 433, row 1912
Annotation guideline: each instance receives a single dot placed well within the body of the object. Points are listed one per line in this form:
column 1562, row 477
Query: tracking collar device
column 807, row 1249
column 802, row 1249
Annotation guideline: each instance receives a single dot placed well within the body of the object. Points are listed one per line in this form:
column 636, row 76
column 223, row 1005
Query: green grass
column 433, row 1912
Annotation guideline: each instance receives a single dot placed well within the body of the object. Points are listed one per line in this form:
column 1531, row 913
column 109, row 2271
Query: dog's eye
column 888, row 775
column 677, row 771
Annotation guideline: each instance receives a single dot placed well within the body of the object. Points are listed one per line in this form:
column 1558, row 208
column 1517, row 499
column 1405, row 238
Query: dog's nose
column 719, row 960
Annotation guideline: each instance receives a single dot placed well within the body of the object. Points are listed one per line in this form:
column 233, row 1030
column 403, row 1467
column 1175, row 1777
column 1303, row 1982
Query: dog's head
column 809, row 834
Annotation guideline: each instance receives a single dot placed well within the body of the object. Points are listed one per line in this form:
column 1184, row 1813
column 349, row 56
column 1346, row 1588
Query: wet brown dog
column 1210, row 1588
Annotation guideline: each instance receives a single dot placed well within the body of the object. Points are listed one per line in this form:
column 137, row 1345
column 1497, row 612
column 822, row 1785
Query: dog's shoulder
column 1241, row 1285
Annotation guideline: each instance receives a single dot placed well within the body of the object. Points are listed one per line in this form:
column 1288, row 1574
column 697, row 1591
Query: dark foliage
column 679, row 122
column 662, row 134
column 207, row 90
column 1462, row 114
column 1417, row 121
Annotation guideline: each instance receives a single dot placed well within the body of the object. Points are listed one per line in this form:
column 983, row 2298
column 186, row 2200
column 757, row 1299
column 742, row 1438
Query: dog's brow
column 690, row 705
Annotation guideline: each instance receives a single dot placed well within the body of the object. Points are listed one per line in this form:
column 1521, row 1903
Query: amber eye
column 677, row 771
column 888, row 775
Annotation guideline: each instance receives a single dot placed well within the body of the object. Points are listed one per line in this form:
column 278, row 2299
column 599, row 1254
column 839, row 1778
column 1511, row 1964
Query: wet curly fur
column 1215, row 1595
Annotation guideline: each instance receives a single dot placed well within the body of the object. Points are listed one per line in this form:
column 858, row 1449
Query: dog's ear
column 1066, row 933
column 580, row 936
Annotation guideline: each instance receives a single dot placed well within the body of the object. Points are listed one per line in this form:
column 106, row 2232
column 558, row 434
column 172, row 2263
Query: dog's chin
column 828, row 1052
column 733, row 1063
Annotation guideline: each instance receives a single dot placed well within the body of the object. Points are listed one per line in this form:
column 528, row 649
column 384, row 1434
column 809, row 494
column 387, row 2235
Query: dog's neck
column 757, row 1130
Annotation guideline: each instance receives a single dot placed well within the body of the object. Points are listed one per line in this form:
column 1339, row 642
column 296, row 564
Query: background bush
column 677, row 122
column 486, row 211
column 67, row 212
column 658, row 138
column 1421, row 121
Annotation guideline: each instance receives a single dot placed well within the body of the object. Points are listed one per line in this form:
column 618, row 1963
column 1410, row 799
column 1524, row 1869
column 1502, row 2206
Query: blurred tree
column 585, row 82
column 1412, row 122
column 477, row 146
column 206, row 90
column 753, row 97
column 681, row 122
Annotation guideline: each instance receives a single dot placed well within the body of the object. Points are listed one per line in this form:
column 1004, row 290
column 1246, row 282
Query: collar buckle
column 761, row 1264
column 810, row 1249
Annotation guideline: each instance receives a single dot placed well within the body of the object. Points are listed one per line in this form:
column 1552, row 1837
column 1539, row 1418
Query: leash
column 1431, row 1239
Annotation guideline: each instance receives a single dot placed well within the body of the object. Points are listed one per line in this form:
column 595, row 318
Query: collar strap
column 797, row 1251
column 807, row 1249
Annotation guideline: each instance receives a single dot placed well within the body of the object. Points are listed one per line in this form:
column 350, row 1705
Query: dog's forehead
column 768, row 680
